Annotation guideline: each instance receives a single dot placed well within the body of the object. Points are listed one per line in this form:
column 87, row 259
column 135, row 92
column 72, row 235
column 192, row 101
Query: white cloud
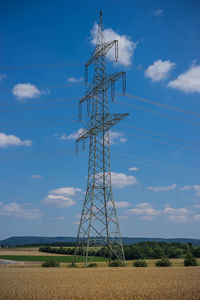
column 75, row 80
column 158, row 13
column 60, row 218
column 188, row 81
column 159, row 70
column 73, row 136
column 175, row 211
column 12, row 140
column 2, row 76
column 196, row 218
column 122, row 217
column 126, row 46
column 120, row 180
column 69, row 191
column 36, row 176
column 146, row 218
column 162, row 188
column 194, row 187
column 63, row 197
column 121, row 204
column 116, row 137
column 178, row 219
column 20, row 211
column 179, row 215
column 25, row 91
column 133, row 169
column 144, row 209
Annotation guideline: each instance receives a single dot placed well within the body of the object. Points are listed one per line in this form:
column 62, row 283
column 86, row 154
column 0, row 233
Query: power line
column 74, row 84
column 162, row 142
column 143, row 24
column 33, row 101
column 158, row 113
column 125, row 162
column 170, row 107
column 38, row 108
column 156, row 162
column 45, row 122
column 13, row 67
column 160, row 134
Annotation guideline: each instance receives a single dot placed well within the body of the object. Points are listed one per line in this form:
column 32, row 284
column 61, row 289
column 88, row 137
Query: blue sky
column 154, row 151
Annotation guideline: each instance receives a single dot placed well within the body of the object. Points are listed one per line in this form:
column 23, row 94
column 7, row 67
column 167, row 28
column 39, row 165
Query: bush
column 72, row 265
column 115, row 263
column 190, row 260
column 92, row 265
column 50, row 263
column 163, row 262
column 140, row 263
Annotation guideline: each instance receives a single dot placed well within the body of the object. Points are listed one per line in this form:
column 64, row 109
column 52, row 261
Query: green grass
column 61, row 259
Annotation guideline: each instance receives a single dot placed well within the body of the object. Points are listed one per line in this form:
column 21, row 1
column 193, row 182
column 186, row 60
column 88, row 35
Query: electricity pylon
column 99, row 225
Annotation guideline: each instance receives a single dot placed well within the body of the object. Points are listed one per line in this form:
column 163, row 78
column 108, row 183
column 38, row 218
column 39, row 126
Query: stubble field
column 178, row 283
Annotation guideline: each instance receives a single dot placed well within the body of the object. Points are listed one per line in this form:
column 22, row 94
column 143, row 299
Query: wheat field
column 27, row 283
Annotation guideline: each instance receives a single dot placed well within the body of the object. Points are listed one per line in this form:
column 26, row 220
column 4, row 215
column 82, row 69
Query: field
column 32, row 256
column 102, row 283
column 30, row 281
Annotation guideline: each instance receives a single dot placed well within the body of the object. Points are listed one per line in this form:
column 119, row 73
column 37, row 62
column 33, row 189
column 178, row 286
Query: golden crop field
column 26, row 283
column 24, row 251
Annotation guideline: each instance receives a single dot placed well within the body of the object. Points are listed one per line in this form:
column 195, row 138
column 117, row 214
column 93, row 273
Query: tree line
column 142, row 250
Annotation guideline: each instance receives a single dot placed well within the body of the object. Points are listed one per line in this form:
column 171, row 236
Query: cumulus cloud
column 36, row 176
column 16, row 210
column 162, row 188
column 178, row 219
column 175, row 211
column 194, row 187
column 75, row 80
column 121, row 180
column 120, row 204
column 63, row 197
column 158, row 13
column 122, row 217
column 12, row 140
column 159, row 70
column 126, row 46
column 196, row 218
column 145, row 209
column 73, row 136
column 133, row 169
column 25, row 91
column 189, row 81
column 179, row 215
column 116, row 137
column 2, row 76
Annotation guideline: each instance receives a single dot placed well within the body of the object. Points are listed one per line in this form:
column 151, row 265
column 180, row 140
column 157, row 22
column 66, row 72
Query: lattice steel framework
column 99, row 223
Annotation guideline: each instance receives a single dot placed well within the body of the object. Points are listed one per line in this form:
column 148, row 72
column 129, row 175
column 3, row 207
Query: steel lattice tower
column 99, row 223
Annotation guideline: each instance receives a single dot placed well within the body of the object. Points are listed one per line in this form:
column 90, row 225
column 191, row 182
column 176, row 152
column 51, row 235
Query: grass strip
column 64, row 259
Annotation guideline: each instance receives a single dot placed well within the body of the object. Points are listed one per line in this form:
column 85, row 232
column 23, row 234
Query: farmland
column 101, row 283
column 31, row 281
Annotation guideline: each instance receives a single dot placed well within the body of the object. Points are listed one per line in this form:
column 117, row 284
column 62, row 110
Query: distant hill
column 29, row 240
